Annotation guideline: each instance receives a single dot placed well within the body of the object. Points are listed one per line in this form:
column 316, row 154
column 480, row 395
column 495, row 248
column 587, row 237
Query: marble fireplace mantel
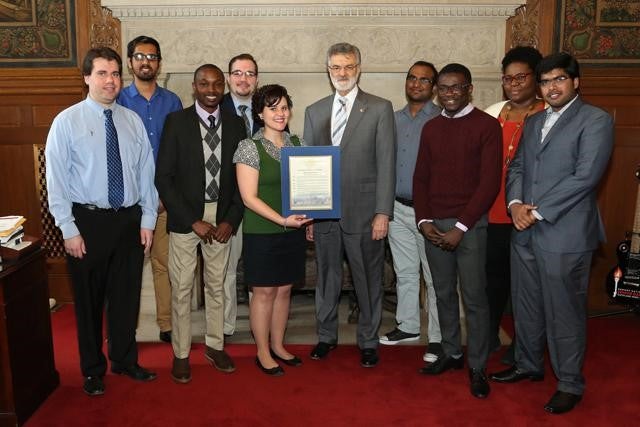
column 289, row 40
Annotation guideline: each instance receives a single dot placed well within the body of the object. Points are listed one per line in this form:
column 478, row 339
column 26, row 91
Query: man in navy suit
column 552, row 197
column 242, row 81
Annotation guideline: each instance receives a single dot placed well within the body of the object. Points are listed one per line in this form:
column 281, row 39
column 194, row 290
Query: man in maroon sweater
column 456, row 179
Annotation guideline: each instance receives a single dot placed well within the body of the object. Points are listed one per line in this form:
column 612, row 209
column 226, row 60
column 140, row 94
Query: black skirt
column 274, row 259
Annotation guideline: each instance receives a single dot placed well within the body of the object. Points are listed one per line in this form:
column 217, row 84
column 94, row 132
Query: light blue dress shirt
column 408, row 131
column 152, row 112
column 76, row 163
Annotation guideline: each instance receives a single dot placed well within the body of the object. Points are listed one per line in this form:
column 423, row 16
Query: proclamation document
column 311, row 181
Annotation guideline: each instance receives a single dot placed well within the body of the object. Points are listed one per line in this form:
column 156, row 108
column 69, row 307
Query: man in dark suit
column 362, row 126
column 552, row 196
column 242, row 81
column 196, row 178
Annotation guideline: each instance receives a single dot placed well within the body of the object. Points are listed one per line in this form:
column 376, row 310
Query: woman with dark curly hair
column 273, row 245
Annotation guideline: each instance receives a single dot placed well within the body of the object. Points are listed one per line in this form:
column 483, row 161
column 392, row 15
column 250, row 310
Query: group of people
column 486, row 203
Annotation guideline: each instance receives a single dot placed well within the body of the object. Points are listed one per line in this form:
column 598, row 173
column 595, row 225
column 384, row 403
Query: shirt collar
column 428, row 107
column 204, row 115
column 98, row 107
column 351, row 96
column 563, row 109
column 466, row 110
column 238, row 102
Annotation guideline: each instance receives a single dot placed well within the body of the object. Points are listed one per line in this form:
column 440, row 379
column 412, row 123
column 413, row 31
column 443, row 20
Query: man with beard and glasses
column 456, row 180
column 405, row 240
column 362, row 126
column 152, row 103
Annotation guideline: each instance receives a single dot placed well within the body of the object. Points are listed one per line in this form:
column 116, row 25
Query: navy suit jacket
column 180, row 174
column 560, row 176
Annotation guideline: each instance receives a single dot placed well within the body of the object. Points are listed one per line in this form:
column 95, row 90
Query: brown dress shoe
column 219, row 359
column 181, row 371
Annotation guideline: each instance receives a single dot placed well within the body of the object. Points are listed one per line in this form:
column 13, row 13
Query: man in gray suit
column 362, row 126
column 551, row 190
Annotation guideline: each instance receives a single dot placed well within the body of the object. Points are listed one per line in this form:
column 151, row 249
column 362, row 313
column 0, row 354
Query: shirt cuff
column 512, row 202
column 69, row 230
column 423, row 220
column 461, row 226
column 537, row 215
column 148, row 222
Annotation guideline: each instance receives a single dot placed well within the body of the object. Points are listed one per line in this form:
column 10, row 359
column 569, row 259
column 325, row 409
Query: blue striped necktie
column 114, row 163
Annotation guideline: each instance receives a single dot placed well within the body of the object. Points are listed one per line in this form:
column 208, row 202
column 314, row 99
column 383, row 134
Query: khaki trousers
column 183, row 254
column 160, row 268
column 230, row 283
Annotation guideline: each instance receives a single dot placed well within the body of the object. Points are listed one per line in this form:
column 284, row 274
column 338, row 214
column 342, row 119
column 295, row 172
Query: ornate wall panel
column 290, row 41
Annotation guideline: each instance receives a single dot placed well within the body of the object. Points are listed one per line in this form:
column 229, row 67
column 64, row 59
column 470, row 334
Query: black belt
column 404, row 201
column 94, row 208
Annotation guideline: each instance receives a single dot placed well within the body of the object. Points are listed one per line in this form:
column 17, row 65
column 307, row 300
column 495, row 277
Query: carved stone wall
column 290, row 39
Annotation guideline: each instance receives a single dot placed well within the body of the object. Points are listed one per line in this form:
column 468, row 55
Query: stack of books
column 11, row 231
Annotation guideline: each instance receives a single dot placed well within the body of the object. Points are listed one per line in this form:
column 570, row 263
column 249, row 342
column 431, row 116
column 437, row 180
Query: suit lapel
column 325, row 121
column 562, row 122
column 357, row 112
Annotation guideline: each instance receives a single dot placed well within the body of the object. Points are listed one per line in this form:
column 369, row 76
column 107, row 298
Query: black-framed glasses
column 423, row 80
column 555, row 80
column 240, row 73
column 337, row 68
column 139, row 56
column 456, row 89
column 517, row 78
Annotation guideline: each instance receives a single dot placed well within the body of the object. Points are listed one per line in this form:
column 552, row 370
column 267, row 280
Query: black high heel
column 274, row 372
column 295, row 361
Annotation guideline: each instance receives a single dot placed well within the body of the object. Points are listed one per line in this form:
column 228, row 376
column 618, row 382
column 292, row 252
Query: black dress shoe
column 513, row 375
column 369, row 357
column 294, row 361
column 93, row 386
column 274, row 372
column 479, row 386
column 165, row 336
column 443, row 363
column 135, row 372
column 562, row 402
column 321, row 350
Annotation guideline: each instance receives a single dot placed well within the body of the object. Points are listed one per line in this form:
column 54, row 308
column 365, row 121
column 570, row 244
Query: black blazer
column 180, row 174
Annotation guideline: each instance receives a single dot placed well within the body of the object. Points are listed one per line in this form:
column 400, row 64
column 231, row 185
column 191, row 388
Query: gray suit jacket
column 367, row 158
column 560, row 176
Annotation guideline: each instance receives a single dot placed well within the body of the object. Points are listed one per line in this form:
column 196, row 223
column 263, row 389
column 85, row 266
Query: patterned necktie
column 212, row 165
column 247, row 124
column 114, row 163
column 339, row 121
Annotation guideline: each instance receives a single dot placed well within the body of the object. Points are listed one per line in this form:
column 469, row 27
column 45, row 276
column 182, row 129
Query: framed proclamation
column 311, row 181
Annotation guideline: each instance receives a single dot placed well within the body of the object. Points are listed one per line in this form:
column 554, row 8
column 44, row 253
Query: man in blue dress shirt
column 153, row 103
column 100, row 172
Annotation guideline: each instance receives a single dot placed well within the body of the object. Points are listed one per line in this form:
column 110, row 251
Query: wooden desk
column 27, row 370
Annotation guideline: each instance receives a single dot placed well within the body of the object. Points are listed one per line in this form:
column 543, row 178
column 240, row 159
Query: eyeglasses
column 518, row 78
column 348, row 68
column 555, row 80
column 139, row 56
column 247, row 74
column 422, row 80
column 455, row 89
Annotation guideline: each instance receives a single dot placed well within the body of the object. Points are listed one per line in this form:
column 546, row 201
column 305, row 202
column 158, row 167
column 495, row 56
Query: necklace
column 508, row 107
